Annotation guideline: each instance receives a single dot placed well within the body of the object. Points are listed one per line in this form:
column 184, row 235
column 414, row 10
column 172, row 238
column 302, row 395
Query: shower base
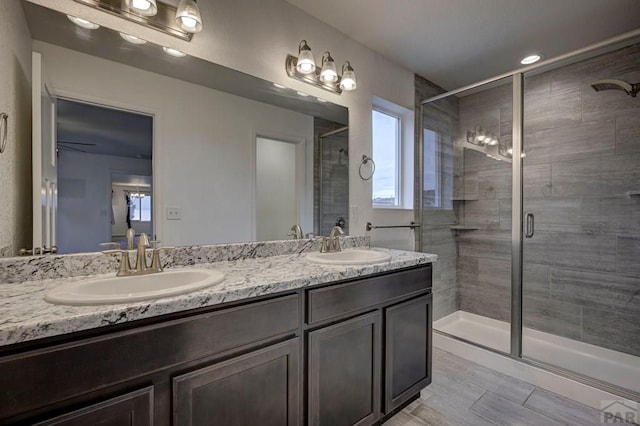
column 616, row 368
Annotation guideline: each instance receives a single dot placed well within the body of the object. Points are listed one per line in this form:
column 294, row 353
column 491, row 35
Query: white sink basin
column 101, row 291
column 349, row 257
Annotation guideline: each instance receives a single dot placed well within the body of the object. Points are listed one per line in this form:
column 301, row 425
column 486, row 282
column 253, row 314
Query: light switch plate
column 174, row 213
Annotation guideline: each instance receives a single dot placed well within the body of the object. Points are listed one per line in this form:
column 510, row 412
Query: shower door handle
column 530, row 226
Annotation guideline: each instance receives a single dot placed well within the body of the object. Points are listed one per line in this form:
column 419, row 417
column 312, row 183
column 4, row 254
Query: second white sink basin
column 100, row 291
column 349, row 257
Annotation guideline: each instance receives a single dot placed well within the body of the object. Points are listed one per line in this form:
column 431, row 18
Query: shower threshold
column 616, row 368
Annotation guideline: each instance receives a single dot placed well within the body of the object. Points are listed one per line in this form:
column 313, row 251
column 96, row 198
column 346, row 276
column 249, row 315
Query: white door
column 277, row 188
column 45, row 177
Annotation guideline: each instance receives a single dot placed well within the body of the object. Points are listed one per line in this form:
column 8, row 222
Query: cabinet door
column 408, row 350
column 132, row 409
column 344, row 372
column 261, row 387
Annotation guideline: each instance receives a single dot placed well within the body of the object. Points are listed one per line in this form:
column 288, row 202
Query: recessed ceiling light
column 173, row 52
column 279, row 86
column 83, row 23
column 531, row 59
column 302, row 94
column 133, row 39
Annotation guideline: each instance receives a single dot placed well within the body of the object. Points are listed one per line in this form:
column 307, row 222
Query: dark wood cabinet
column 131, row 409
column 408, row 346
column 344, row 372
column 343, row 353
column 262, row 387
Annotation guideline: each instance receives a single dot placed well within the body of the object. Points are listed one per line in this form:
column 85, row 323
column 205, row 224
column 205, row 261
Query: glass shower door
column 581, row 199
column 466, row 211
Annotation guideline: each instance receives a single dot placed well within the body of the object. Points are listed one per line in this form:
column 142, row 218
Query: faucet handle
column 143, row 240
column 125, row 267
column 155, row 258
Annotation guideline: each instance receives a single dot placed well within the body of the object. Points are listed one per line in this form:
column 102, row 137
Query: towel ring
column 3, row 131
column 365, row 160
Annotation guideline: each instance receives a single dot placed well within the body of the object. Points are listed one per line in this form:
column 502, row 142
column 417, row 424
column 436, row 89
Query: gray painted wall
column 15, row 100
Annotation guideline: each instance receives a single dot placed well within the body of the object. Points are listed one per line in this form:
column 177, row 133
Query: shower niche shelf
column 464, row 199
column 463, row 228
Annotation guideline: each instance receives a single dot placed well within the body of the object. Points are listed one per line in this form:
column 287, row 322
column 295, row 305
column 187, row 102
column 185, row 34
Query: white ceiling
column 459, row 42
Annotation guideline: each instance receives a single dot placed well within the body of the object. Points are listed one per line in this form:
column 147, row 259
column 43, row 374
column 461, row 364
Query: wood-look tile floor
column 465, row 393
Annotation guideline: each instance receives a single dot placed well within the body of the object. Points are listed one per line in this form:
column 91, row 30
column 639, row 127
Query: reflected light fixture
column 132, row 39
column 83, row 23
column 173, row 52
column 181, row 21
column 279, row 86
column 303, row 68
column 306, row 64
column 143, row 7
column 328, row 73
column 531, row 59
column 188, row 16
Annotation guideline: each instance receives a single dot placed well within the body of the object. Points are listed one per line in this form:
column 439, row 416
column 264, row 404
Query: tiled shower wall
column 582, row 267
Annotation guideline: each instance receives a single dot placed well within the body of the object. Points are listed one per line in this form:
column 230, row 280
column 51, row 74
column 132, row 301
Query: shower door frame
column 517, row 254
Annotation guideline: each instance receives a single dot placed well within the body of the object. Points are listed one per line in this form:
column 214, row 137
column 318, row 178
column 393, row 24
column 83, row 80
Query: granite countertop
column 25, row 315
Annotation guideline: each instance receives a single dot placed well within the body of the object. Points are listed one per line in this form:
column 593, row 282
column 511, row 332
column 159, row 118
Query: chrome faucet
column 141, row 267
column 331, row 243
column 296, row 232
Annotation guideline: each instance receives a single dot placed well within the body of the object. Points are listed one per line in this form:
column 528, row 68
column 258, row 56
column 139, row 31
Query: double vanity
column 281, row 336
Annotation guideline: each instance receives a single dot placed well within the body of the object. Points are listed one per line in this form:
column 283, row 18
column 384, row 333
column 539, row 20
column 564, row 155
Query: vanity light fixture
column 303, row 68
column 133, row 39
column 143, row 7
column 83, row 23
column 173, row 52
column 531, row 59
column 181, row 22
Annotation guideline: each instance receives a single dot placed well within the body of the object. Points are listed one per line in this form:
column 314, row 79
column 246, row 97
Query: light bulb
column 328, row 73
column 143, row 7
column 132, row 39
column 83, row 23
column 173, row 52
column 188, row 16
column 531, row 59
column 306, row 64
column 348, row 82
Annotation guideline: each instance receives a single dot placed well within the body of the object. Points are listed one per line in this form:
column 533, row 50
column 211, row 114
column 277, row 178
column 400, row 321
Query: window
column 386, row 147
column 140, row 207
column 392, row 152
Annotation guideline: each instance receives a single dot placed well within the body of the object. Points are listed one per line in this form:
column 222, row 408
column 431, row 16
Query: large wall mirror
column 183, row 149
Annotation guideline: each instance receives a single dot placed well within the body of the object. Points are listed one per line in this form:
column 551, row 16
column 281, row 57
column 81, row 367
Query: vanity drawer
column 41, row 377
column 348, row 298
